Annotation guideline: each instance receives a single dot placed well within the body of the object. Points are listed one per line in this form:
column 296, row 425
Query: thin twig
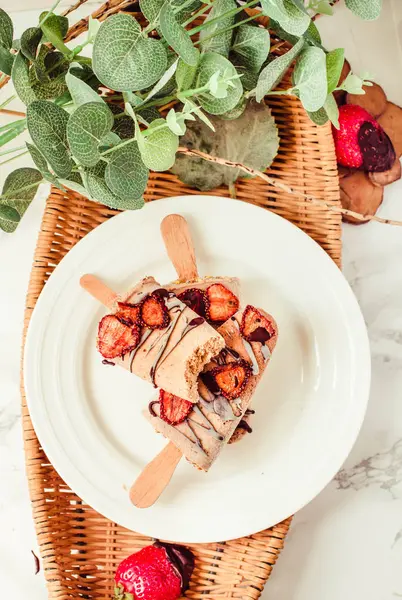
column 16, row 113
column 74, row 7
column 286, row 188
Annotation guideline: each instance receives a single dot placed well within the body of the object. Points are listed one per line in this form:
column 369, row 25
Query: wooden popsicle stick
column 155, row 477
column 179, row 245
column 98, row 290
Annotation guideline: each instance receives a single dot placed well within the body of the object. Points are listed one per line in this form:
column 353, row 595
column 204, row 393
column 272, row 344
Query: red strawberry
column 158, row 572
column 360, row 141
column 174, row 410
column 197, row 300
column 154, row 313
column 255, row 327
column 116, row 337
column 222, row 303
column 232, row 378
column 129, row 312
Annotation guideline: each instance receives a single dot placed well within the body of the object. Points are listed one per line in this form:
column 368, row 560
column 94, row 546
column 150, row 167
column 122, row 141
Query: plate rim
column 359, row 331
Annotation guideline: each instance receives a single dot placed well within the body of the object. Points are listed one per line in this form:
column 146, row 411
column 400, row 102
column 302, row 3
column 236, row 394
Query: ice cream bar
column 156, row 336
column 226, row 388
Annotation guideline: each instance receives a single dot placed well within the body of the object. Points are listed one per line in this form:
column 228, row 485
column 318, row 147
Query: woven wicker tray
column 79, row 548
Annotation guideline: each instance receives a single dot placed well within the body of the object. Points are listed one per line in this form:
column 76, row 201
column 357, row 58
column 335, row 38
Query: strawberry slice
column 255, row 327
column 197, row 300
column 174, row 410
column 116, row 338
column 129, row 312
column 154, row 313
column 232, row 378
column 222, row 303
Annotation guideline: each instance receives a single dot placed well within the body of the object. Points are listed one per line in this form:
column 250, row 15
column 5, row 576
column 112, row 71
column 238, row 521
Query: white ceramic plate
column 309, row 406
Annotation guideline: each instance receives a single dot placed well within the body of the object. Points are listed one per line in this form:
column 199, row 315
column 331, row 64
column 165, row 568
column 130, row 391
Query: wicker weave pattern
column 79, row 548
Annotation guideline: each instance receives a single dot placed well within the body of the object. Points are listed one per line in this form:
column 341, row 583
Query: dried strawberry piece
column 129, row 312
column 232, row 378
column 154, row 313
column 197, row 300
column 115, row 338
column 174, row 410
column 222, row 302
column 255, row 327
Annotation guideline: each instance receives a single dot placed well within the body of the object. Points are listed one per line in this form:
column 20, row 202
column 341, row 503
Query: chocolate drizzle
column 144, row 338
column 210, row 383
column 168, row 335
column 244, row 425
column 207, row 425
column 151, row 408
column 260, row 335
column 108, row 362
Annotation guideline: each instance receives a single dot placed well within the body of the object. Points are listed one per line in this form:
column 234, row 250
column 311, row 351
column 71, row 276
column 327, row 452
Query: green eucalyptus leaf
column 310, row 78
column 47, row 125
column 125, row 174
column 162, row 84
column 369, row 10
column 76, row 187
column 16, row 45
column 125, row 60
column 81, row 92
column 319, row 117
column 41, row 163
column 151, row 9
column 55, row 26
column 272, row 74
column 212, row 63
column 334, row 60
column 100, row 192
column 185, row 75
column 353, row 84
column 6, row 60
column 9, row 218
column 123, row 126
column 20, row 79
column 221, row 40
column 252, row 45
column 252, row 140
column 312, row 34
column 159, row 147
column 176, row 36
column 86, row 127
column 290, row 16
column 30, row 41
column 47, row 75
column 110, row 140
column 332, row 110
column 237, row 111
column 6, row 30
column 324, row 8
column 14, row 194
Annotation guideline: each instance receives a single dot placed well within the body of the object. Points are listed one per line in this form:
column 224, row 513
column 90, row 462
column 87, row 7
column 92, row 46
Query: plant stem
column 50, row 11
column 229, row 13
column 197, row 14
column 11, row 150
column 23, row 189
column 7, row 101
column 117, row 147
column 219, row 31
column 13, row 158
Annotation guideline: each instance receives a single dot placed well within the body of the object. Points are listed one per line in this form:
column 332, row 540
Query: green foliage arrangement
column 103, row 145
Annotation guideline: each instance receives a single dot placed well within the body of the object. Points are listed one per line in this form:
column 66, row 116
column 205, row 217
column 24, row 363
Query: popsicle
column 214, row 298
column 157, row 337
column 226, row 386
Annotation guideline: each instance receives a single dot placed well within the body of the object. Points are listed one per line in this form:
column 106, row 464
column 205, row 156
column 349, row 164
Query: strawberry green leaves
column 271, row 75
column 47, row 125
column 368, row 10
column 123, row 58
column 176, row 36
column 86, row 127
column 18, row 191
column 210, row 64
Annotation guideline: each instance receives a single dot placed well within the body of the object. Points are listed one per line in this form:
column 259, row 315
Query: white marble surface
column 348, row 542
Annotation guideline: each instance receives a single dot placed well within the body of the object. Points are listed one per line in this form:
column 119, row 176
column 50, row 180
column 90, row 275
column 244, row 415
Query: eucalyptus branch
column 49, row 12
column 199, row 13
column 13, row 158
column 286, row 188
column 220, row 31
column 229, row 13
column 11, row 150
column 7, row 101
